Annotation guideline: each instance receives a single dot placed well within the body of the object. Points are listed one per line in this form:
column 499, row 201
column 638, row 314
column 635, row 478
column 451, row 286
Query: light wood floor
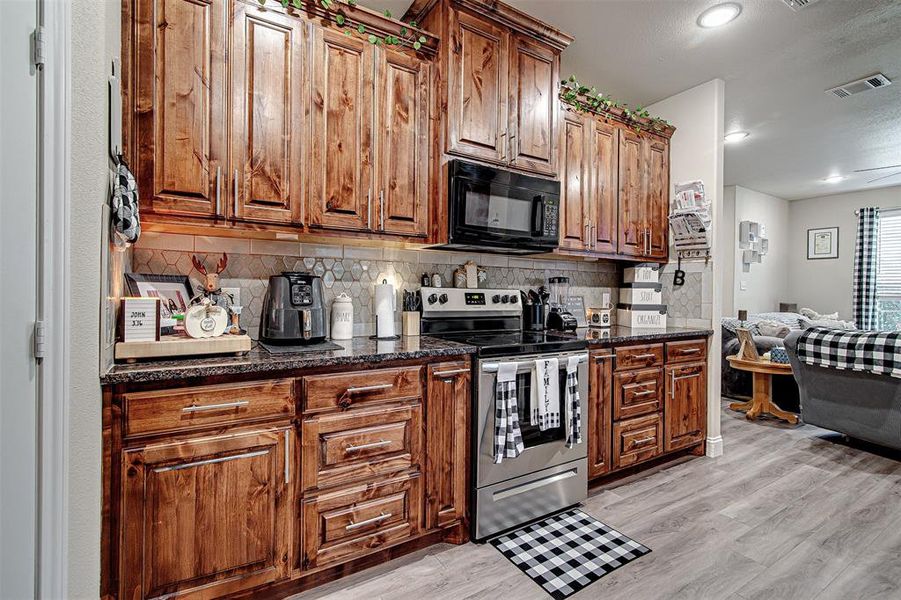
column 787, row 512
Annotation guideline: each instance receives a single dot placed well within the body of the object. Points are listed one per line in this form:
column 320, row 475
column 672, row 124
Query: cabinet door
column 342, row 114
column 402, row 157
column 477, row 88
column 657, row 174
column 604, row 180
column 685, row 407
column 447, row 431
column 574, row 190
column 632, row 226
column 600, row 389
column 534, row 75
column 180, row 102
column 208, row 515
column 269, row 112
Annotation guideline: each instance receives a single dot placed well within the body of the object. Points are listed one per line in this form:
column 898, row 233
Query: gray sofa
column 860, row 405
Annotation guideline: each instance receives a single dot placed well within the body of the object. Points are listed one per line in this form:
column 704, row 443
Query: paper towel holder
column 385, row 338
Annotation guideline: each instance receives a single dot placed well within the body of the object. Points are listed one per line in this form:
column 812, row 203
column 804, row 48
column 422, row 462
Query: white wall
column 825, row 285
column 94, row 42
column 765, row 283
column 728, row 237
column 696, row 152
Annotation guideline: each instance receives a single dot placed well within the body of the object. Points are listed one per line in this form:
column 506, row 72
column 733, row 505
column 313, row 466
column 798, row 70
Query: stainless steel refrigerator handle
column 493, row 367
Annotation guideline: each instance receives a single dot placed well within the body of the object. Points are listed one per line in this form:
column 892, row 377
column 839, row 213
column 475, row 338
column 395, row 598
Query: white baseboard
column 715, row 446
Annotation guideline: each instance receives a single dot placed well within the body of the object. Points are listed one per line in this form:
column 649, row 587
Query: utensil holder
column 410, row 323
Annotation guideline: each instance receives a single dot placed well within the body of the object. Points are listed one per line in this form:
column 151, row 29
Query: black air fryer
column 293, row 310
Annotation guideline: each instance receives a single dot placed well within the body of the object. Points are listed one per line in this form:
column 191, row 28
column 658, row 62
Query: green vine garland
column 406, row 38
column 589, row 99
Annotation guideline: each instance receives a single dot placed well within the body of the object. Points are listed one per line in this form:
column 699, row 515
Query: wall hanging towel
column 573, row 403
column 507, row 435
column 126, row 220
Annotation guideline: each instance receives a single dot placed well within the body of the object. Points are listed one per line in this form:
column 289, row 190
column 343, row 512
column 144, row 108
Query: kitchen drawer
column 637, row 440
column 351, row 522
column 209, row 405
column 347, row 447
column 637, row 393
column 638, row 357
column 686, row 351
column 346, row 390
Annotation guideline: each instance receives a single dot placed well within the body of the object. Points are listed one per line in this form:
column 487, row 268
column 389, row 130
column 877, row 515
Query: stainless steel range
column 547, row 476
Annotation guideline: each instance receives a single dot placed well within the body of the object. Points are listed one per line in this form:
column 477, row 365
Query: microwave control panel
column 551, row 215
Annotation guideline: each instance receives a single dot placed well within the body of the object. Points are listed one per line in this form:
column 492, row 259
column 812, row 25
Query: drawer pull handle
column 369, row 388
column 642, row 441
column 377, row 444
column 681, row 377
column 644, row 393
column 451, row 372
column 351, row 526
column 689, row 350
column 648, row 355
column 224, row 405
column 210, row 461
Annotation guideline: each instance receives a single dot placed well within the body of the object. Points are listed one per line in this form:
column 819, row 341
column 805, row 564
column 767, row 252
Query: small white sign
column 140, row 319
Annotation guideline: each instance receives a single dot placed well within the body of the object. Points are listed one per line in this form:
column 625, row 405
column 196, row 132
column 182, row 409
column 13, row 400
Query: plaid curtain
column 866, row 253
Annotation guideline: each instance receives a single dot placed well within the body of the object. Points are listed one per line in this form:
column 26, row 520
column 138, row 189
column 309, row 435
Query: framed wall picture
column 174, row 291
column 822, row 243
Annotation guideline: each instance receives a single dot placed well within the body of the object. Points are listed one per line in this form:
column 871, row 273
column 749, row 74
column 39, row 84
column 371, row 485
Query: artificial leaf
column 422, row 39
column 372, row 39
column 417, row 45
column 361, row 28
column 339, row 19
column 388, row 13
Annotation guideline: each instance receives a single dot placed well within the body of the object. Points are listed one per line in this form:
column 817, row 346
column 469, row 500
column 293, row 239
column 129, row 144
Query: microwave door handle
column 538, row 216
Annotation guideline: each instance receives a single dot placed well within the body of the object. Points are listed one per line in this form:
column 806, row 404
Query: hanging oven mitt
column 572, row 403
column 545, row 411
column 507, row 436
column 126, row 220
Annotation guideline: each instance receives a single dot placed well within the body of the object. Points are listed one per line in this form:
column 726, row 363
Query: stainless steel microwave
column 493, row 210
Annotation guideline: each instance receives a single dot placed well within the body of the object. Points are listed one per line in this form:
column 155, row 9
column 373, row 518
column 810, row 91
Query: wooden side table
column 762, row 401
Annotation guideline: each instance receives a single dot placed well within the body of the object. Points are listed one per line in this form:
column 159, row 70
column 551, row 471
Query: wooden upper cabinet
column 632, row 222
column 574, row 185
column 342, row 121
column 206, row 516
column 269, row 103
column 534, row 76
column 477, row 83
column 685, row 405
column 180, row 105
column 604, row 182
column 657, row 174
column 402, row 158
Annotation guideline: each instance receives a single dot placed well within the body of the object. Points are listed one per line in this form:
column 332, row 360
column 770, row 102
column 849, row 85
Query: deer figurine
column 211, row 286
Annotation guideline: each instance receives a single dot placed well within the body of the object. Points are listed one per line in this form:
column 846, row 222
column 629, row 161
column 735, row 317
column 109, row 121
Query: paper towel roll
column 385, row 305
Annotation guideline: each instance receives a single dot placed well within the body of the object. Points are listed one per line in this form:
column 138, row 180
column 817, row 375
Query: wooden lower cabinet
column 206, row 517
column 645, row 401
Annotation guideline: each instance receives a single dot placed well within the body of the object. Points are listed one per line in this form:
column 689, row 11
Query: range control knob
column 505, row 299
column 433, row 298
column 496, row 298
column 442, row 299
column 514, row 299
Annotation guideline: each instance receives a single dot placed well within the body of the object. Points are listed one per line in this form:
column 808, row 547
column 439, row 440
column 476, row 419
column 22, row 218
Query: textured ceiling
column 776, row 64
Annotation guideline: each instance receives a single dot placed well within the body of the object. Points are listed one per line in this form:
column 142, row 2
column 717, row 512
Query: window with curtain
column 888, row 274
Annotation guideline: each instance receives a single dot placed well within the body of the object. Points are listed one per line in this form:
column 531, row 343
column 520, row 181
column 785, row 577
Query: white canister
column 342, row 317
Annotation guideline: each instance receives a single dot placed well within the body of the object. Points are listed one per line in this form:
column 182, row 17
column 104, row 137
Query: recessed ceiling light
column 736, row 136
column 718, row 15
column 834, row 178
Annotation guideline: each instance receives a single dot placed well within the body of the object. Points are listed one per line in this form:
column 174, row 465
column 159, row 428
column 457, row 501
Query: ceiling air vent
column 861, row 85
column 798, row 4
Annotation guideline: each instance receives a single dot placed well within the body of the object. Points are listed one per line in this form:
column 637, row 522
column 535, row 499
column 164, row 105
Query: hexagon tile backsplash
column 355, row 270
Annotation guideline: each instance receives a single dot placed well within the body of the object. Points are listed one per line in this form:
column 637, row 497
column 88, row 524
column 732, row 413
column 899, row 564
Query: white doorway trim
column 53, row 307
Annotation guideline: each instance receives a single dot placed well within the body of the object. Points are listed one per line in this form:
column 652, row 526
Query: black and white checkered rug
column 568, row 551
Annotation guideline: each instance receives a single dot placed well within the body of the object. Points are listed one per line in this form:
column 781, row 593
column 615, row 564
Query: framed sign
column 822, row 243
column 174, row 291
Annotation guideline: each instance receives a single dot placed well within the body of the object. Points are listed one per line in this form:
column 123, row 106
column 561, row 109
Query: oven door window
column 497, row 209
column 531, row 435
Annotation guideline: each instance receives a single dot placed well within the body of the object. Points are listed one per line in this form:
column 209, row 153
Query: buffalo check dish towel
column 869, row 351
column 568, row 551
column 507, row 436
column 573, row 403
column 546, row 394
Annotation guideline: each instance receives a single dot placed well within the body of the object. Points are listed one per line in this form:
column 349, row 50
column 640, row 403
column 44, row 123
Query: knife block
column 410, row 323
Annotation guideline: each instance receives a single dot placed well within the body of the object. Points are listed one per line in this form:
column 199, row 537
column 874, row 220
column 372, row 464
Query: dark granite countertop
column 260, row 361
column 618, row 334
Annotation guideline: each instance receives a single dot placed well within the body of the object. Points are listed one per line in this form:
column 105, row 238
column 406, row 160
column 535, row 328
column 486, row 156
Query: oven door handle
column 493, row 367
